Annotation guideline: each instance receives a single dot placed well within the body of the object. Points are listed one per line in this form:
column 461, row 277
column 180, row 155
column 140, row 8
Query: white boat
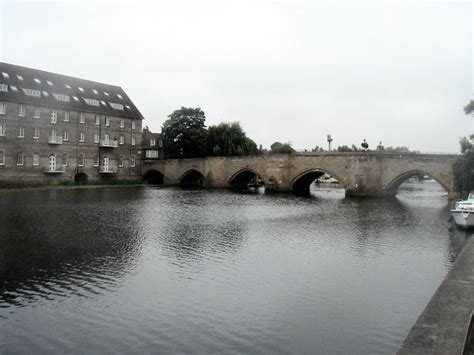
column 463, row 212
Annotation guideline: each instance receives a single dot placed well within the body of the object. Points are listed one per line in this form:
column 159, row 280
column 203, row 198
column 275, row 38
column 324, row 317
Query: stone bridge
column 361, row 174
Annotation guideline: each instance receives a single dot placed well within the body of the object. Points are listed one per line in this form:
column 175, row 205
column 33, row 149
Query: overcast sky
column 399, row 73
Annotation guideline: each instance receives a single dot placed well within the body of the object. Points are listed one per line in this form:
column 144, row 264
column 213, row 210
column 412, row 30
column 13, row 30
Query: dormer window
column 95, row 91
column 5, row 75
column 67, row 86
column 106, row 93
column 49, row 83
column 14, row 88
column 37, row 81
column 80, row 89
column 75, row 98
column 45, row 93
column 119, row 96
column 19, row 77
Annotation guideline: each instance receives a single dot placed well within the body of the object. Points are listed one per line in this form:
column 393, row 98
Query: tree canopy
column 229, row 139
column 281, row 148
column 463, row 168
column 469, row 108
column 184, row 133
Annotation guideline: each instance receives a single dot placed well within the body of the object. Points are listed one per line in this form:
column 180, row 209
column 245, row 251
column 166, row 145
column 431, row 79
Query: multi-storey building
column 152, row 146
column 56, row 128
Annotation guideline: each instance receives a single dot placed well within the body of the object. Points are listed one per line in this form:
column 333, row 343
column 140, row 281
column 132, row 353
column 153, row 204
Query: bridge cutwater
column 360, row 174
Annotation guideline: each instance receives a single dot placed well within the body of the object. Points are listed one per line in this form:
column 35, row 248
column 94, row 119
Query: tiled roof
column 41, row 88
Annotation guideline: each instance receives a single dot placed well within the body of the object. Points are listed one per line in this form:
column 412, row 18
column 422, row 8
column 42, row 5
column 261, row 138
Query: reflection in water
column 70, row 247
column 171, row 270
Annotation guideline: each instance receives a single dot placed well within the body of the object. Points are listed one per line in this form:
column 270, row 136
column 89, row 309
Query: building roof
column 42, row 88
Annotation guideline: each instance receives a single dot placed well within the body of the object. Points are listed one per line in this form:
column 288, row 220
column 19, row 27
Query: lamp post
column 329, row 142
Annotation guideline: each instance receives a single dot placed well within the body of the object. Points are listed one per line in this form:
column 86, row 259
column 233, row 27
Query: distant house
column 56, row 128
column 152, row 146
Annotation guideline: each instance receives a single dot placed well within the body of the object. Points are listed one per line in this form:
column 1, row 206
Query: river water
column 145, row 269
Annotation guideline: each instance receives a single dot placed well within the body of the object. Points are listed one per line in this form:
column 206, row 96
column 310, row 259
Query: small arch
column 301, row 183
column 153, row 177
column 81, row 178
column 392, row 188
column 245, row 178
column 192, row 178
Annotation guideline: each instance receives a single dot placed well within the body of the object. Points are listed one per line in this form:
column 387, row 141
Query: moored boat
column 463, row 212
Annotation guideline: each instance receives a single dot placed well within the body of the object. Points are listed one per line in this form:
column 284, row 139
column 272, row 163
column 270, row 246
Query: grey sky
column 399, row 73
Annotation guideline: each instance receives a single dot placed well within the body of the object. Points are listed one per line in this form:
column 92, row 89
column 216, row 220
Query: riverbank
column 443, row 326
column 71, row 186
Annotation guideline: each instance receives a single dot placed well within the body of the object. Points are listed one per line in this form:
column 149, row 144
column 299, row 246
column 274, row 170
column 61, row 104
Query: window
column 37, row 81
column 82, row 137
column 120, row 162
column 21, row 111
column 54, row 134
column 66, row 135
column 36, row 133
column 67, row 86
column 3, row 109
column 21, row 132
column 2, row 157
column 5, row 75
column 122, row 123
column 107, row 121
column 80, row 89
column 60, row 97
column 54, row 116
column 82, row 118
column 30, row 92
column 4, row 87
column 37, row 112
column 128, row 107
column 49, row 83
column 75, row 98
column 121, row 140
column 66, row 116
column 14, row 88
column 133, row 140
column 95, row 91
column 119, row 96
column 80, row 160
column 92, row 102
column 2, row 129
column 132, row 161
column 36, row 159
column 103, row 103
column 45, row 93
column 96, row 160
column 20, row 159
column 64, row 160
column 151, row 154
column 152, row 142
column 96, row 137
column 19, row 77
column 97, row 120
column 116, row 106
column 133, row 124
column 160, row 143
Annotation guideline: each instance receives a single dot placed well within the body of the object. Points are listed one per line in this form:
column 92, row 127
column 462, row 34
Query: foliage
column 317, row 149
column 184, row 133
column 463, row 168
column 346, row 148
column 281, row 148
column 229, row 139
column 469, row 108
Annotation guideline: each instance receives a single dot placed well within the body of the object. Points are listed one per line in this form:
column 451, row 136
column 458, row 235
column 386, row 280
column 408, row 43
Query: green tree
column 469, row 108
column 184, row 133
column 229, row 139
column 281, row 148
column 463, row 168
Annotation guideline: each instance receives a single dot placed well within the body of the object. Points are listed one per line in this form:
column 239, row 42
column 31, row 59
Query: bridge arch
column 302, row 182
column 242, row 178
column 192, row 178
column 392, row 187
column 81, row 178
column 153, row 177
